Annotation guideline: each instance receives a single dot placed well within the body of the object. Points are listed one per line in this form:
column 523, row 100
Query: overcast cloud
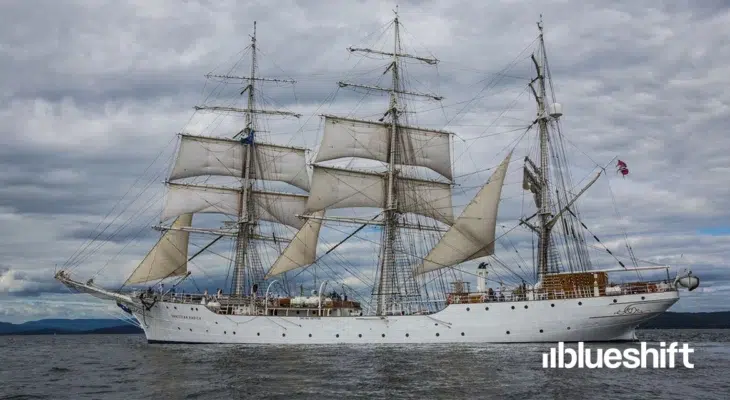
column 92, row 92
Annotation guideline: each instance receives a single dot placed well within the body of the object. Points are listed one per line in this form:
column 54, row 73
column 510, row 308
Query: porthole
column 383, row 335
column 467, row 309
column 552, row 304
column 486, row 308
column 283, row 335
column 568, row 328
column 435, row 324
column 258, row 333
column 462, row 333
column 614, row 300
column 178, row 328
column 407, row 335
column 175, row 307
column 437, row 334
column 513, row 307
column 192, row 308
column 525, row 306
column 225, row 332
column 540, row 330
column 310, row 335
column 206, row 331
column 642, row 297
column 580, row 303
column 508, row 332
column 337, row 335
column 191, row 329
column 359, row 335
column 234, row 332
column 216, row 323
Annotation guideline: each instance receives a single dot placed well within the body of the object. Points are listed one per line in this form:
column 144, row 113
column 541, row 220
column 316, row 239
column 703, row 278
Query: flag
column 248, row 139
column 622, row 168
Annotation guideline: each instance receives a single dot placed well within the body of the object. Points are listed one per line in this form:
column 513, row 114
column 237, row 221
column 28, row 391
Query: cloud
column 91, row 98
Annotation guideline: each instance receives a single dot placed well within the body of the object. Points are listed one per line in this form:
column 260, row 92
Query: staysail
column 302, row 250
column 169, row 257
column 473, row 234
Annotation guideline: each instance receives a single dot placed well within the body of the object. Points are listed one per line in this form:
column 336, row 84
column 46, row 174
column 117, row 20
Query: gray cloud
column 92, row 93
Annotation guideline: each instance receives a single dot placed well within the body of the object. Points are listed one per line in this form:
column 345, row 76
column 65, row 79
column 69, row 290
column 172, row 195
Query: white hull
column 605, row 318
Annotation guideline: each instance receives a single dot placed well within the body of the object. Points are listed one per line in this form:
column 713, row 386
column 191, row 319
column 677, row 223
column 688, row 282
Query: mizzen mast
column 544, row 173
column 537, row 178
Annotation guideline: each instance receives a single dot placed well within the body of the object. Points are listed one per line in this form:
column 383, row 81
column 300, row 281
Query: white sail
column 343, row 188
column 280, row 163
column 282, row 208
column 201, row 156
column 193, row 199
column 302, row 250
column 345, row 137
column 169, row 257
column 473, row 234
column 270, row 206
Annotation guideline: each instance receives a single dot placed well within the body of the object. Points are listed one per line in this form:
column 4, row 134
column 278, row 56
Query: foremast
column 241, row 157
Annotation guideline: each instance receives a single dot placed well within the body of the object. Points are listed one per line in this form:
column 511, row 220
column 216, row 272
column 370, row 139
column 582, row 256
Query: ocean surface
column 126, row 367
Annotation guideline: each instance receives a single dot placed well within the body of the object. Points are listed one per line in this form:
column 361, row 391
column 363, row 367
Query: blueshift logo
column 582, row 357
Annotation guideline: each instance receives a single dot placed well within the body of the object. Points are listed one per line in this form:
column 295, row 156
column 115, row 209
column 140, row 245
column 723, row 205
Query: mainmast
column 387, row 268
column 394, row 144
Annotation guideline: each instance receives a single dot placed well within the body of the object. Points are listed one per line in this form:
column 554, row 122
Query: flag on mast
column 622, row 168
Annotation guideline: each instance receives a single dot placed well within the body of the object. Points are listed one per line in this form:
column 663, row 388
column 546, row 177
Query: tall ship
column 283, row 197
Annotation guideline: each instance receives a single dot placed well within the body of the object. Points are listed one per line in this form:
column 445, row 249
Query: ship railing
column 549, row 293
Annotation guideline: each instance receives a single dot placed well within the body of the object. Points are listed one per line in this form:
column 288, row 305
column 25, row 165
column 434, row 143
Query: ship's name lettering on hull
column 184, row 316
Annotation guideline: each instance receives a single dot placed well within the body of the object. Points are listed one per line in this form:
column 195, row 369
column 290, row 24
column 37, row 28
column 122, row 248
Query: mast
column 393, row 284
column 248, row 160
column 537, row 178
column 544, row 212
column 244, row 225
column 385, row 282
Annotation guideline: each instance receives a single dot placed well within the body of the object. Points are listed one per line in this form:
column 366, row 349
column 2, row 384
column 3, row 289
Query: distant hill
column 670, row 320
column 68, row 327
column 705, row 320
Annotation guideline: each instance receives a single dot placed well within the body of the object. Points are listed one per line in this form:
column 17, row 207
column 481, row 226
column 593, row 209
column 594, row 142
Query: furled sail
column 201, row 156
column 302, row 250
column 270, row 206
column 343, row 188
column 473, row 234
column 345, row 137
column 169, row 257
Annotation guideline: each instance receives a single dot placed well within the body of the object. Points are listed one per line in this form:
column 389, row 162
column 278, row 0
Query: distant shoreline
column 669, row 320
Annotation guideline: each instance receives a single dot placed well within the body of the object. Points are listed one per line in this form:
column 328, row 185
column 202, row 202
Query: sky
column 92, row 94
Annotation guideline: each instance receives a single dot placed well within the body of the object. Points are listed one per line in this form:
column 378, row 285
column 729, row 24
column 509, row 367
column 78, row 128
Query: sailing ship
column 419, row 294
